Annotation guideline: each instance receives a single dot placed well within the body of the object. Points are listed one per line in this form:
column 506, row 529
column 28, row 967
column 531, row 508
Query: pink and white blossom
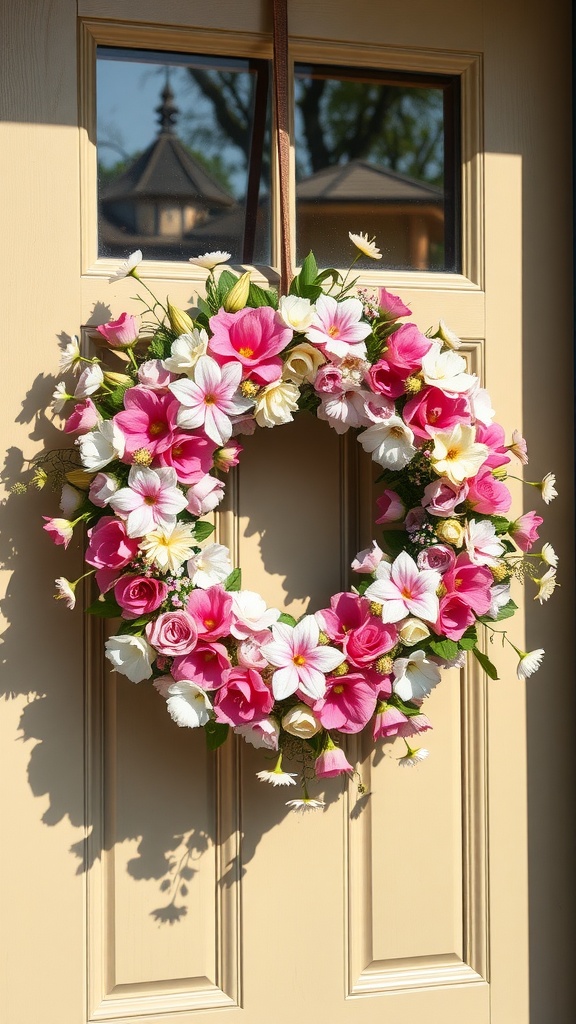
column 300, row 661
column 151, row 500
column 205, row 495
column 210, row 400
column 251, row 614
column 403, row 589
column 337, row 327
column 482, row 544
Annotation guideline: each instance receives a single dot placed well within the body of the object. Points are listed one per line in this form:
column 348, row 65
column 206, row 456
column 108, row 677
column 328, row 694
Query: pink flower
column 102, row 487
column 139, row 595
column 442, row 496
column 153, row 375
column 332, row 762
column 337, row 328
column 299, row 659
column 406, row 349
column 211, row 610
column 346, row 409
column 59, row 530
column 471, row 582
column 402, row 589
column 251, row 337
column 243, row 697
column 454, row 617
column 348, row 704
column 121, row 332
column 495, row 440
column 369, row 641
column 261, row 734
column 148, row 420
column 388, row 722
column 190, row 455
column 437, row 556
column 228, row 456
column 249, row 651
column 391, row 307
column 210, row 400
column 385, row 379
column 415, row 519
column 173, row 633
column 368, row 559
column 524, row 531
column 488, row 495
column 151, row 500
column 109, row 549
column 204, row 665
column 204, row 495
column 328, row 380
column 84, row 417
column 346, row 612
column 432, row 410
column 391, row 508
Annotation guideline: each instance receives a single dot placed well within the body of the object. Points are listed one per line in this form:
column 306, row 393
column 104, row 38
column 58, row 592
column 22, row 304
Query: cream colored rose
column 413, row 632
column 301, row 721
column 451, row 531
column 276, row 403
column 296, row 312
column 302, row 363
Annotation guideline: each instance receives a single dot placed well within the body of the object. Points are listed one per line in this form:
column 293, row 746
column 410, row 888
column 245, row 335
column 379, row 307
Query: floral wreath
column 152, row 445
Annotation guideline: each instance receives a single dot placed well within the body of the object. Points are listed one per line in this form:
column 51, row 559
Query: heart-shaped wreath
column 153, row 443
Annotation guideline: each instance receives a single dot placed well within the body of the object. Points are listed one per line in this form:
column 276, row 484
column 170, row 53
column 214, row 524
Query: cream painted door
column 144, row 879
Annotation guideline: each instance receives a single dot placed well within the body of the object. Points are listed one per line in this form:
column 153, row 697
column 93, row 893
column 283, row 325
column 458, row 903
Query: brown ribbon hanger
column 280, row 53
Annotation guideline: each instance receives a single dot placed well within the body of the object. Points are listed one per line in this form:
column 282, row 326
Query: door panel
column 146, row 879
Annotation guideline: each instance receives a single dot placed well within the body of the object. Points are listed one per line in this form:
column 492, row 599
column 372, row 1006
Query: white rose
column 412, row 632
column 276, row 403
column 131, row 655
column 296, row 313
column 98, row 447
column 302, row 363
column 301, row 721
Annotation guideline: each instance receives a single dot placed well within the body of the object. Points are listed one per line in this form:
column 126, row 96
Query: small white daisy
column 450, row 339
column 549, row 556
column 60, row 396
column 127, row 268
column 305, row 804
column 70, row 358
column 65, row 591
column 210, row 259
column 365, row 245
column 277, row 778
column 529, row 663
column 413, row 757
column 546, row 585
column 548, row 489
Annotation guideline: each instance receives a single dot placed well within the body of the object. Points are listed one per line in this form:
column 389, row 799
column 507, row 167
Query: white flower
column 188, row 704
column 480, row 404
column 277, row 777
column 302, row 363
column 549, row 556
column 125, row 269
column 450, row 339
column 60, row 396
column 260, row 734
column 415, row 677
column 365, row 245
column 548, row 489
column 70, row 358
column 131, row 655
column 169, row 548
column 529, row 663
column 306, row 804
column 99, row 447
column 456, row 453
column 412, row 632
column 296, row 312
column 499, row 598
column 186, row 352
column 413, row 757
column 66, row 591
column 211, row 566
column 276, row 403
column 546, row 585
column 70, row 500
column 89, row 381
column 301, row 721
column 445, row 370
column 482, row 544
column 519, row 447
column 210, row 259
column 251, row 614
column 389, row 442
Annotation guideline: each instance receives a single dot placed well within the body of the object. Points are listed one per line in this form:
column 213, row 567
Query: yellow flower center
column 299, row 659
column 157, row 428
column 246, row 352
column 210, row 400
column 338, row 688
column 209, row 623
column 396, row 432
column 333, row 331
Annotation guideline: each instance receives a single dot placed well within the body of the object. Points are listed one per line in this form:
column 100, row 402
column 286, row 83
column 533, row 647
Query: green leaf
column 446, row 649
column 226, row 282
column 501, row 523
column 486, row 664
column 309, row 270
column 202, row 530
column 287, row 618
column 204, row 307
column 258, row 297
column 469, row 639
column 234, row 580
column 503, row 613
column 216, row 734
column 395, row 541
column 161, row 344
column 105, row 609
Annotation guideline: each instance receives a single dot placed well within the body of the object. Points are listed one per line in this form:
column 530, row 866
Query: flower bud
column 238, row 295
column 117, row 379
column 451, row 531
column 180, row 322
column 301, row 721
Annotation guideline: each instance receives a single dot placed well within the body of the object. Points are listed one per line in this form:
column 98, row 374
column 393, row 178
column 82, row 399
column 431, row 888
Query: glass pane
column 183, row 146
column 376, row 152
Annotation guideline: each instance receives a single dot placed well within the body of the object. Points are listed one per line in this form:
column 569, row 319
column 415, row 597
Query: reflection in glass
column 183, row 148
column 376, row 153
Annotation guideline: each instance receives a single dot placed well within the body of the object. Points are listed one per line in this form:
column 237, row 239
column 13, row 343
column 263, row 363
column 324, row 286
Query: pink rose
column 524, row 531
column 121, row 332
column 84, row 417
column 243, row 697
column 249, row 653
column 488, row 495
column 109, row 545
column 437, row 556
column 204, row 665
column 384, row 379
column 154, row 376
column 432, row 410
column 173, row 633
column 204, row 495
column 390, row 507
column 328, row 380
column 442, row 496
column 252, row 337
column 369, row 641
column 415, row 518
column 331, row 763
column 139, row 595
